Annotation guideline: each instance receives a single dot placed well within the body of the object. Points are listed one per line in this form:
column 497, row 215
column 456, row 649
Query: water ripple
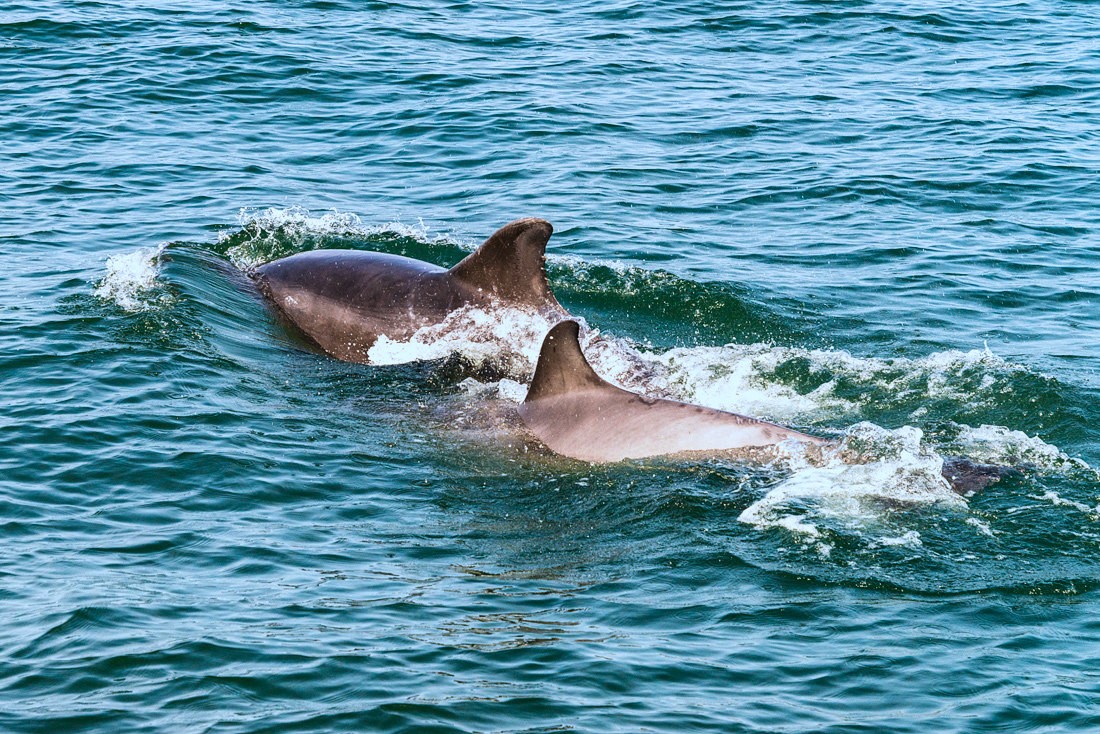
column 839, row 212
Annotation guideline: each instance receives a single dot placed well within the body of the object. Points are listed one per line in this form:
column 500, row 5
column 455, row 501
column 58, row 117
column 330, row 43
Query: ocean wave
column 268, row 234
column 131, row 280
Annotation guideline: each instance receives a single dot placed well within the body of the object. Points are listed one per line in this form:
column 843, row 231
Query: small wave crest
column 271, row 233
column 795, row 384
column 131, row 280
column 1000, row 445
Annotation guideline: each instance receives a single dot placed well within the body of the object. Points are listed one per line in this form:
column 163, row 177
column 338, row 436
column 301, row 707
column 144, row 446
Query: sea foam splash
column 507, row 339
column 743, row 378
column 1000, row 445
column 872, row 471
column 131, row 281
column 300, row 220
column 870, row 468
column 268, row 234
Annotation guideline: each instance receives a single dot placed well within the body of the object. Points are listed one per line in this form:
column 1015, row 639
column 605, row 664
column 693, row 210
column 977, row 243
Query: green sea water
column 878, row 222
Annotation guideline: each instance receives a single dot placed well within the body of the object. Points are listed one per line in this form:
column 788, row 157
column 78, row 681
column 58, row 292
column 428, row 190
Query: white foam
column 1058, row 501
column 910, row 539
column 983, row 527
column 743, row 378
column 294, row 226
column 1000, row 445
column 508, row 339
column 297, row 218
column 870, row 468
column 131, row 280
column 511, row 390
column 797, row 524
column 581, row 271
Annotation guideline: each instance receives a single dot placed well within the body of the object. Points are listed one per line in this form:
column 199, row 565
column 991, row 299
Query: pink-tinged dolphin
column 343, row 300
column 578, row 414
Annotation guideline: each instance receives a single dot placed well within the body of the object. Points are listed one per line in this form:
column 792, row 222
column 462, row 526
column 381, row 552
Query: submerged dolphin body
column 578, row 414
column 343, row 300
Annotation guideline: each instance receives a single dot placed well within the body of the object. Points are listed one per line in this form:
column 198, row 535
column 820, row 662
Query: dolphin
column 341, row 301
column 576, row 413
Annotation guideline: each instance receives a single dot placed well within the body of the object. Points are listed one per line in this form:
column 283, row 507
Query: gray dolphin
column 343, row 300
column 578, row 414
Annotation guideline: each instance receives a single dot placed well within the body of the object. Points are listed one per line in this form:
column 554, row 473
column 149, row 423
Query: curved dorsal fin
column 562, row 367
column 509, row 265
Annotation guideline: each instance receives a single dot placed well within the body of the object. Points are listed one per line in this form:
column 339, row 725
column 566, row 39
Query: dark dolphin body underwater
column 878, row 226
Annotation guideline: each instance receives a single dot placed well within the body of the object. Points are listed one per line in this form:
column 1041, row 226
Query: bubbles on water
column 868, row 470
column 982, row 526
column 1000, row 445
column 131, row 281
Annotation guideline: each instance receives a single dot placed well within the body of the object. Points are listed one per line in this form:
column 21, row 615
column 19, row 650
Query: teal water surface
column 879, row 222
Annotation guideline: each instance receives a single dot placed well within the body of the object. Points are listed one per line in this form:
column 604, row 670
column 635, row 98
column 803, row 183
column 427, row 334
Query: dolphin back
column 578, row 414
column 342, row 301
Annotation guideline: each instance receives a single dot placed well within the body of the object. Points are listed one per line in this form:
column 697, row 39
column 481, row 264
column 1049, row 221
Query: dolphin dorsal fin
column 562, row 368
column 510, row 264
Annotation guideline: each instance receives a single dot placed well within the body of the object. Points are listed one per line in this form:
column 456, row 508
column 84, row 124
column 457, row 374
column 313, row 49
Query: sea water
column 875, row 222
